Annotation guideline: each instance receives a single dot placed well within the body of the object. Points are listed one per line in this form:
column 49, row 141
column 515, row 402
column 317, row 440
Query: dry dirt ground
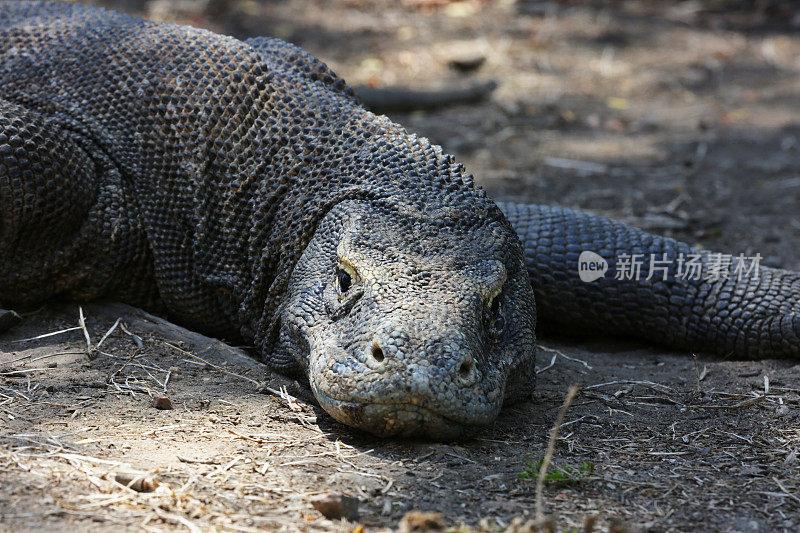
column 680, row 117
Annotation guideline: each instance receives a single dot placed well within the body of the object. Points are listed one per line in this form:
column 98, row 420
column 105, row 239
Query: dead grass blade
column 548, row 457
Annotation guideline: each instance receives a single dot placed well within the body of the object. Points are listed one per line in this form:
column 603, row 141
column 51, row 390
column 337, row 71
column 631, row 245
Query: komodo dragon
column 242, row 190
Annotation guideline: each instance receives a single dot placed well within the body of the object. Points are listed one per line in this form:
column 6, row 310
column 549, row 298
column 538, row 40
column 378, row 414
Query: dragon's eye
column 498, row 322
column 496, row 319
column 344, row 278
column 344, row 281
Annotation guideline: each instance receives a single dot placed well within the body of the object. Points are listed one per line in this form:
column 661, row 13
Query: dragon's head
column 411, row 324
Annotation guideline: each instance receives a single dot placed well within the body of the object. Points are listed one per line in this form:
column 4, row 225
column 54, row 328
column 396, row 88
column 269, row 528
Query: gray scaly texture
column 241, row 189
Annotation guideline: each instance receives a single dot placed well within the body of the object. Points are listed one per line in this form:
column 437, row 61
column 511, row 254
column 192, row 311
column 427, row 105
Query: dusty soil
column 680, row 117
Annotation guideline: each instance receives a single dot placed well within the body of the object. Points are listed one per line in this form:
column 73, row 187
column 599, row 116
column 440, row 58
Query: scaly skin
column 752, row 316
column 239, row 188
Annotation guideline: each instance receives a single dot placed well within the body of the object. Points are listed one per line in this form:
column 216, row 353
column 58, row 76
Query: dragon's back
column 149, row 104
column 224, row 154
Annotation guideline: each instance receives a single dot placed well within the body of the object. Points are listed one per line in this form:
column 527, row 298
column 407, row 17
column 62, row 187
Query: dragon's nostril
column 377, row 353
column 466, row 368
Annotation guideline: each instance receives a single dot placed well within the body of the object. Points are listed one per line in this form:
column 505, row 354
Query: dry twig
column 82, row 323
column 573, row 391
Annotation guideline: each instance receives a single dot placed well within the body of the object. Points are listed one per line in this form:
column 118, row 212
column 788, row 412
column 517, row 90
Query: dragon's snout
column 418, row 384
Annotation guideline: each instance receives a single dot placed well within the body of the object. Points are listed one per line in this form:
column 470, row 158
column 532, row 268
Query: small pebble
column 415, row 521
column 8, row 319
column 162, row 402
column 467, row 63
column 334, row 505
column 136, row 482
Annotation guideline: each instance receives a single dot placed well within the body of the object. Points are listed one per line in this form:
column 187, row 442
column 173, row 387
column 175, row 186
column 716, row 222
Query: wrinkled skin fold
column 240, row 189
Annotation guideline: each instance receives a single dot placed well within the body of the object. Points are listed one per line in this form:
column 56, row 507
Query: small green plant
column 561, row 474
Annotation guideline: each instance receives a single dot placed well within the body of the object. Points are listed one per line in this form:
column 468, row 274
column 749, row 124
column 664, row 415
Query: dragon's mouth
column 402, row 419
